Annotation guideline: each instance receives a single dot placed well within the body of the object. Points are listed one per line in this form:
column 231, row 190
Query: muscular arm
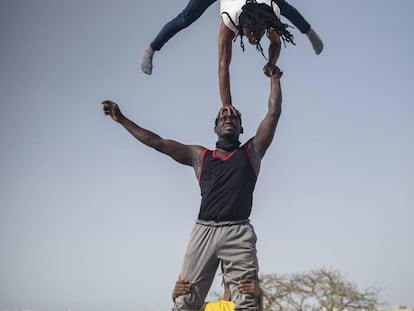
column 224, row 50
column 184, row 154
column 267, row 127
column 181, row 153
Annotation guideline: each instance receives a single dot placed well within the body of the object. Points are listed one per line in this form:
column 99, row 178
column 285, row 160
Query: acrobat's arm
column 274, row 52
column 224, row 51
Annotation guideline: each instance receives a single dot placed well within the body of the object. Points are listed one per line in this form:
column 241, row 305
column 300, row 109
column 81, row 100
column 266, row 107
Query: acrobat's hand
column 110, row 108
column 182, row 287
column 231, row 110
column 268, row 69
column 272, row 70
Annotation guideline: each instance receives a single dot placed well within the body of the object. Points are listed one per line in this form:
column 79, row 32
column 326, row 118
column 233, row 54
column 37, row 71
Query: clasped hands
column 271, row 70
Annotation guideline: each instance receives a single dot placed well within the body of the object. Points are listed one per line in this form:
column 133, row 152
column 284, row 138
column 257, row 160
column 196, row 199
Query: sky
column 90, row 219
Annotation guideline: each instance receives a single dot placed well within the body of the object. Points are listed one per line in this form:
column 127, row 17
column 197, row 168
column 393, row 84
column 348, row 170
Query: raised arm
column 267, row 127
column 224, row 51
column 184, row 154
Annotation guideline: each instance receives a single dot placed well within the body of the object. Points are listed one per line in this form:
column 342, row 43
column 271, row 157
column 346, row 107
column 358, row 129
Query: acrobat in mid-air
column 195, row 8
column 253, row 20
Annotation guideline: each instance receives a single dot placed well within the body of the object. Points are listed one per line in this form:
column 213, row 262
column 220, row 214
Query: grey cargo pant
column 232, row 243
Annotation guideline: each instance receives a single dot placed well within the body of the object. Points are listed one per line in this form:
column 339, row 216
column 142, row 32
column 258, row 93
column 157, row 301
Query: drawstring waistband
column 224, row 223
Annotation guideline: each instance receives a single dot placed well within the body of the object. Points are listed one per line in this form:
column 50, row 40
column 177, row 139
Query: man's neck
column 227, row 146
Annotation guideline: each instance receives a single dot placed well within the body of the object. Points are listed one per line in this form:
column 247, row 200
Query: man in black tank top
column 227, row 176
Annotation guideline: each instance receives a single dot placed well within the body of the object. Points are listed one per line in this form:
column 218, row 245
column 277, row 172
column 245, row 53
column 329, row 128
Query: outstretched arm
column 224, row 50
column 267, row 127
column 184, row 154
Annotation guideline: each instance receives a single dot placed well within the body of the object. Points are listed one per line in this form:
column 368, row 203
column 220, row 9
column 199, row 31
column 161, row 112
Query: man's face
column 228, row 125
column 248, row 33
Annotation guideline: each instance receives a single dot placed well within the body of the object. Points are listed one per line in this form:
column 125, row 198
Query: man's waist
column 221, row 223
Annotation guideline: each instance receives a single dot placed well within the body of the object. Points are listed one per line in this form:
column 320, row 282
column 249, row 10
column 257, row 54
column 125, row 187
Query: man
column 195, row 8
column 227, row 177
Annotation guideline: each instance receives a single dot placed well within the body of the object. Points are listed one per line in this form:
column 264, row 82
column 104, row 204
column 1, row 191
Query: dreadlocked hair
column 259, row 16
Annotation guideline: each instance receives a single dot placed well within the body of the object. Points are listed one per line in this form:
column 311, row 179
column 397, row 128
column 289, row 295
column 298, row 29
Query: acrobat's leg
column 193, row 10
column 294, row 16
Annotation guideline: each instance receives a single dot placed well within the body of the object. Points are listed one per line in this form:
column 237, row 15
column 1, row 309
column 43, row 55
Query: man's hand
column 249, row 287
column 272, row 70
column 110, row 108
column 182, row 287
column 277, row 72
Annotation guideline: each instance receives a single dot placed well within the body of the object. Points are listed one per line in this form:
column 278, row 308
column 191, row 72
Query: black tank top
column 227, row 185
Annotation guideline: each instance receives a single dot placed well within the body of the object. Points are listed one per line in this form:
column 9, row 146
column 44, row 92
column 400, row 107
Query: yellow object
column 220, row 305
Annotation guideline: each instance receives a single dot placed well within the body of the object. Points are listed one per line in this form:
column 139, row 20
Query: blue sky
column 92, row 220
